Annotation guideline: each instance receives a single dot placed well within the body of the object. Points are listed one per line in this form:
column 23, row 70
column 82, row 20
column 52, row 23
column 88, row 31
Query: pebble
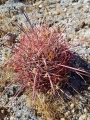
column 83, row 117
column 73, row 110
column 88, row 118
column 12, row 118
column 72, row 106
column 6, row 118
column 67, row 113
column 89, row 88
column 83, row 99
column 85, row 110
column 19, row 114
column 85, row 1
column 62, row 119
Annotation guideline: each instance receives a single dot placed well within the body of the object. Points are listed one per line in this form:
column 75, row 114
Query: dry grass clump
column 48, row 106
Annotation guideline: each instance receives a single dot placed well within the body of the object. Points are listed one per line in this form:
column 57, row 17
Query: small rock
column 89, row 88
column 12, row 118
column 62, row 119
column 73, row 110
column 72, row 106
column 88, row 118
column 67, row 113
column 83, row 117
column 85, row 1
column 40, row 6
column 85, row 110
column 19, row 114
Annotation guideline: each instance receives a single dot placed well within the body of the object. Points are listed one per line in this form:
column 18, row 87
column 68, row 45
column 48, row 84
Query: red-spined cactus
column 42, row 59
column 38, row 59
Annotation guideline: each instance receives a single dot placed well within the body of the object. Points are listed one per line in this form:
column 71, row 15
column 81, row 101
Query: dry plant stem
column 60, row 96
column 73, row 87
column 78, row 73
column 51, row 83
column 35, row 78
column 49, row 76
column 16, row 94
column 8, row 38
column 83, row 72
column 6, row 89
column 25, row 14
column 22, row 29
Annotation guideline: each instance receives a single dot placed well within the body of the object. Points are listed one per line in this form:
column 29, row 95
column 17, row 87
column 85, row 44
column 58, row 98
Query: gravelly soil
column 75, row 16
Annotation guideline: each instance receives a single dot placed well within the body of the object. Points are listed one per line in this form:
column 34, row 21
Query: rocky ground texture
column 72, row 17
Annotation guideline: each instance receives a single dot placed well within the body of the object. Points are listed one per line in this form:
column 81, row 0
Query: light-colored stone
column 67, row 113
column 72, row 106
column 84, row 116
column 62, row 119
